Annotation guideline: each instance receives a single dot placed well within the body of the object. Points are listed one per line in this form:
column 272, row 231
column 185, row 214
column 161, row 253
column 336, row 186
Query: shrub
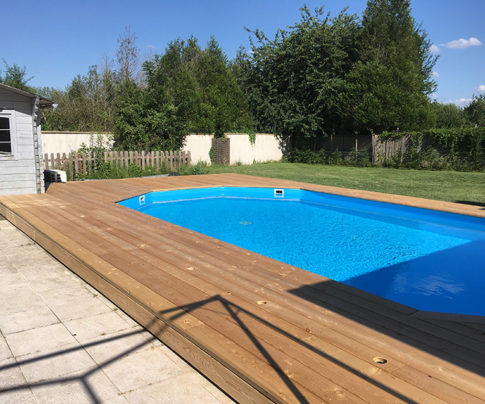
column 458, row 149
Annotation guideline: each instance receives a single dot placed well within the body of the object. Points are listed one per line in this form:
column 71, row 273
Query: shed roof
column 43, row 102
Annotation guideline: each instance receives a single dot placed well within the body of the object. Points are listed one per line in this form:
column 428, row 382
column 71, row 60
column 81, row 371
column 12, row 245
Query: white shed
column 21, row 169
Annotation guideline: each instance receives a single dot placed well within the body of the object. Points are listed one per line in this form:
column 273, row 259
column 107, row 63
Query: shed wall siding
column 17, row 172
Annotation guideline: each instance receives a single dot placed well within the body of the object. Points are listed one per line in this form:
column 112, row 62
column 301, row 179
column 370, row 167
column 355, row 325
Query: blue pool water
column 429, row 260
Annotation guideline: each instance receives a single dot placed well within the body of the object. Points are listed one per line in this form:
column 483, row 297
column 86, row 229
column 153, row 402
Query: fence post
column 356, row 146
column 189, row 159
column 374, row 151
column 71, row 166
column 64, row 162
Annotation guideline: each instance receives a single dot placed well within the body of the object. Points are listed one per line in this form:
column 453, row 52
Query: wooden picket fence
column 81, row 164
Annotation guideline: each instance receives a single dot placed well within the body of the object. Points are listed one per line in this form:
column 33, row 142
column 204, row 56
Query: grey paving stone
column 116, row 400
column 42, row 339
column 91, row 327
column 120, row 344
column 10, row 374
column 5, row 352
column 79, row 307
column 53, row 282
column 11, row 278
column 65, row 293
column 13, row 386
column 182, row 389
column 140, row 369
column 77, row 390
column 26, row 320
column 52, row 365
column 111, row 352
column 15, row 299
column 23, row 396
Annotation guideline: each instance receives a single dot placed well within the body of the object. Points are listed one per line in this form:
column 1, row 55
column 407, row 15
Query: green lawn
column 465, row 187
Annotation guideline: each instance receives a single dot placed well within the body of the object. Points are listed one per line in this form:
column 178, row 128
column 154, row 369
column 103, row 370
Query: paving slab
column 39, row 316
column 63, row 342
column 41, row 340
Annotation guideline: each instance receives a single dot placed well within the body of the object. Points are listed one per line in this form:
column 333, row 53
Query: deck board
column 259, row 328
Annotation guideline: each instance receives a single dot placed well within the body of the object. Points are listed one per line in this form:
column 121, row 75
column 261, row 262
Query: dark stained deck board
column 322, row 340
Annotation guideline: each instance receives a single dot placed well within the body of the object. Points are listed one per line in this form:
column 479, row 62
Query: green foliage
column 187, row 89
column 15, row 76
column 294, row 82
column 252, row 136
column 112, row 171
column 86, row 105
column 200, row 86
column 198, row 169
column 388, row 87
column 449, row 116
column 475, row 112
column 353, row 158
column 457, row 148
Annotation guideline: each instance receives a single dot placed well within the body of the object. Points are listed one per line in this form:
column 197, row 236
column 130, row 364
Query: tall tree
column 295, row 81
column 86, row 105
column 448, row 116
column 127, row 56
column 475, row 112
column 390, row 85
column 16, row 76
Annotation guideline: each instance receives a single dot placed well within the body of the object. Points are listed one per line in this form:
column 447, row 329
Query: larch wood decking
column 260, row 329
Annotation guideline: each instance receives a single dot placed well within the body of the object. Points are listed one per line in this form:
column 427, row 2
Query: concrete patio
column 61, row 341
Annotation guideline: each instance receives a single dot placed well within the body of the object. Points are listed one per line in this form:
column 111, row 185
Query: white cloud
column 481, row 88
column 463, row 43
column 434, row 49
column 435, row 74
column 151, row 47
column 461, row 102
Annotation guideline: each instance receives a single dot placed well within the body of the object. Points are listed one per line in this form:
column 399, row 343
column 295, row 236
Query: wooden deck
column 260, row 329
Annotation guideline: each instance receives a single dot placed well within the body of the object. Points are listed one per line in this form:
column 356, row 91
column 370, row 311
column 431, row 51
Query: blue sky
column 56, row 40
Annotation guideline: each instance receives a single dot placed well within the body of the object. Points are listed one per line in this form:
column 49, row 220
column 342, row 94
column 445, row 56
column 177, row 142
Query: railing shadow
column 168, row 318
column 233, row 310
column 81, row 378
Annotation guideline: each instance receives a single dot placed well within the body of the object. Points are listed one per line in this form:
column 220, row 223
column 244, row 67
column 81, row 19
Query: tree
column 15, row 76
column 448, row 116
column 86, row 105
column 294, row 82
column 475, row 111
column 390, row 84
column 186, row 89
column 127, row 56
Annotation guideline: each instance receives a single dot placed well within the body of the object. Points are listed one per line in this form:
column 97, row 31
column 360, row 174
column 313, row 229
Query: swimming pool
column 425, row 259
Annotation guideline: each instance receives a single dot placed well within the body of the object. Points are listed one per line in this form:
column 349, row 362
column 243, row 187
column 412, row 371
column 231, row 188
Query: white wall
column 66, row 142
column 199, row 146
column 17, row 170
column 265, row 148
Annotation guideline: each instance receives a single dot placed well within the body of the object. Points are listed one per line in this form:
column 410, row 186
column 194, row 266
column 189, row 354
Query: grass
column 453, row 186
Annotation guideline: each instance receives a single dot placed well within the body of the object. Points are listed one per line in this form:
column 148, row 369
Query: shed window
column 5, row 139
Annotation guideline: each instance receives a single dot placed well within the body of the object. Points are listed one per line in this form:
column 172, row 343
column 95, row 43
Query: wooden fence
column 385, row 151
column 81, row 164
